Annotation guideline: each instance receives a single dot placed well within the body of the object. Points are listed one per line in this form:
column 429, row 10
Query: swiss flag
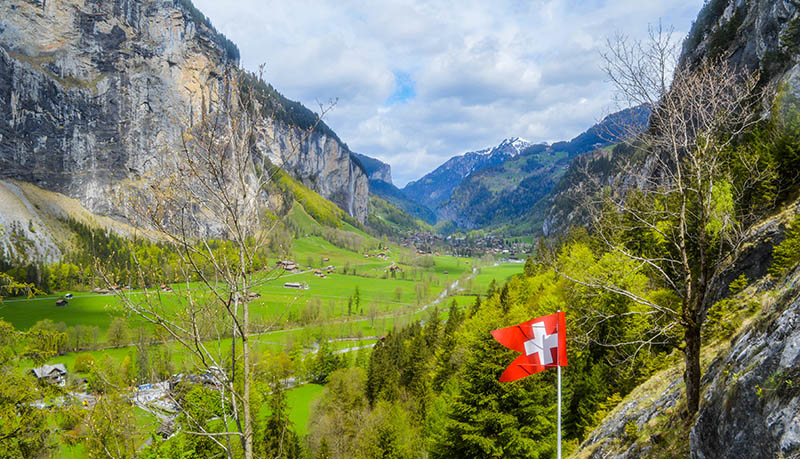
column 542, row 342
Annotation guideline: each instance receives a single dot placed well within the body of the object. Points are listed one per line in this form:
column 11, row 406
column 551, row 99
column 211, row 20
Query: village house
column 297, row 285
column 53, row 374
column 287, row 265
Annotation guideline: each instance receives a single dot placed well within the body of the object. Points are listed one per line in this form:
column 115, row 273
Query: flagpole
column 559, row 412
column 558, row 446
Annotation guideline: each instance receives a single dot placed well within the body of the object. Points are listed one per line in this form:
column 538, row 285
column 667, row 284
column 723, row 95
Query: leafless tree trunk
column 678, row 190
column 207, row 198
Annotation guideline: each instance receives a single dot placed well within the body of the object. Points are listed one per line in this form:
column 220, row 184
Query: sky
column 416, row 82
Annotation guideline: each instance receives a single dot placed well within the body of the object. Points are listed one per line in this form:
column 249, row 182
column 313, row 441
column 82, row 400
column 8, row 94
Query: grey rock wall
column 751, row 406
column 91, row 91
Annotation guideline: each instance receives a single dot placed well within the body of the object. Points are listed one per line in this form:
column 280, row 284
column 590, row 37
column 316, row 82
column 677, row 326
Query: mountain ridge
column 436, row 186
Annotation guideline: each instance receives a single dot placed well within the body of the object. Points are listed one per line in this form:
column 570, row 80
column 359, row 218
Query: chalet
column 297, row 285
column 53, row 374
column 318, row 272
column 68, row 296
column 253, row 295
column 395, row 268
column 287, row 265
column 326, row 259
column 61, row 302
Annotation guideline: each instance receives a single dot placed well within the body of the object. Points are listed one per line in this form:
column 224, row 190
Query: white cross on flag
column 542, row 342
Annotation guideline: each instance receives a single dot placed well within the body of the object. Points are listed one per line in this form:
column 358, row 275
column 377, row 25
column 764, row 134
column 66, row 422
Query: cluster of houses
column 426, row 244
column 323, row 273
column 287, row 265
column 498, row 245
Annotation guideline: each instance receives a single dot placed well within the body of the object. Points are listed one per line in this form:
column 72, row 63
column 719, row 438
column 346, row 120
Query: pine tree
column 279, row 438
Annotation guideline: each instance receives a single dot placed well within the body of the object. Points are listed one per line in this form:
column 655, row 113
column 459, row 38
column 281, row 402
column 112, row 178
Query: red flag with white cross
column 542, row 342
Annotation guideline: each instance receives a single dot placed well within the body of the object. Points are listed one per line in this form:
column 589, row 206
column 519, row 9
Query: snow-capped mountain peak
column 511, row 146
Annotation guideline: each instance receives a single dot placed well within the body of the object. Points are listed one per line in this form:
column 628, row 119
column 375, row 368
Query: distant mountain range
column 436, row 187
column 490, row 187
column 513, row 191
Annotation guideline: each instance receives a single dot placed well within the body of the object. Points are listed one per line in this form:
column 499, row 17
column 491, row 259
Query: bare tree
column 677, row 210
column 208, row 199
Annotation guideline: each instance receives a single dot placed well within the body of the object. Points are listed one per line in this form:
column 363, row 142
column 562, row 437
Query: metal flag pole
column 558, row 367
column 559, row 412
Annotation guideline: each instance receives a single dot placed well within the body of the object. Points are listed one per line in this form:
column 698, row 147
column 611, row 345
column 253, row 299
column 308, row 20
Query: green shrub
column 738, row 284
column 83, row 363
column 786, row 255
column 721, row 321
column 631, row 430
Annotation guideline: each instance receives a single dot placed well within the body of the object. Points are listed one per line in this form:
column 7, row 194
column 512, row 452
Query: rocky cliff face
column 755, row 34
column 92, row 90
column 751, row 407
column 376, row 170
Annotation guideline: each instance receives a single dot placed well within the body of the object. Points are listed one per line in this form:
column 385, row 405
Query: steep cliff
column 376, row 169
column 93, row 90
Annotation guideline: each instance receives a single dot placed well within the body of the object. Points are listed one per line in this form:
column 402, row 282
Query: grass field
column 501, row 273
column 299, row 400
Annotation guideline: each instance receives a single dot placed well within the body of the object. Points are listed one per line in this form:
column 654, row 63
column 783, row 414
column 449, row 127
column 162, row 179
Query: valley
column 193, row 264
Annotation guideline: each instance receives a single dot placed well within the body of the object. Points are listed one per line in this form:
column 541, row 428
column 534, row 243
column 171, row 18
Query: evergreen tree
column 476, row 306
column 492, row 419
column 279, row 438
column 505, row 300
column 492, row 288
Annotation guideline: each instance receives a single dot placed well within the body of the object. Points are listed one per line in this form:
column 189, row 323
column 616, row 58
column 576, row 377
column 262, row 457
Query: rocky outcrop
column 376, row 170
column 751, row 404
column 754, row 34
column 92, row 91
column 34, row 226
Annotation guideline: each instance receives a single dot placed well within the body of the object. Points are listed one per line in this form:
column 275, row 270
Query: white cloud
column 481, row 71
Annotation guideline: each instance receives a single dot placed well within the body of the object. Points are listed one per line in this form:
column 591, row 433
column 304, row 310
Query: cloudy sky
column 418, row 81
